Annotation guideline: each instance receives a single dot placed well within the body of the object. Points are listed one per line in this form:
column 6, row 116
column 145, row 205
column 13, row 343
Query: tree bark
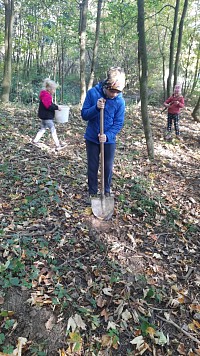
column 82, row 36
column 172, row 42
column 144, row 79
column 9, row 19
column 180, row 35
column 96, row 43
column 196, row 111
column 162, row 49
column 196, row 74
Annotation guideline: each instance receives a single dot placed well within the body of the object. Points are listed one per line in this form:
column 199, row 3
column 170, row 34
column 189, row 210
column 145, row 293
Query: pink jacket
column 46, row 107
column 175, row 108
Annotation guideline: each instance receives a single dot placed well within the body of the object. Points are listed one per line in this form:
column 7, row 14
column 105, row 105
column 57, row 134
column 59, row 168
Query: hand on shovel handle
column 102, row 138
column 101, row 103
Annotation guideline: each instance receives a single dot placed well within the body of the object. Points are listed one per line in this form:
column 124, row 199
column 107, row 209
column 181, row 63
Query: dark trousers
column 93, row 158
column 170, row 119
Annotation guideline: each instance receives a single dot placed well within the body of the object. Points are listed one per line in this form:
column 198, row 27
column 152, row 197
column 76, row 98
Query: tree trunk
column 82, row 34
column 187, row 66
column 196, row 74
column 143, row 79
column 171, row 55
column 95, row 49
column 196, row 111
column 9, row 18
column 162, row 50
column 62, row 71
column 180, row 35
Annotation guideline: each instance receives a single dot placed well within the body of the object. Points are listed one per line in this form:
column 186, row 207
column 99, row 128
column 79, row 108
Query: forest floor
column 75, row 285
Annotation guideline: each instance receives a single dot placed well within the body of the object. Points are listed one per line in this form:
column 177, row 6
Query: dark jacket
column 113, row 115
column 47, row 108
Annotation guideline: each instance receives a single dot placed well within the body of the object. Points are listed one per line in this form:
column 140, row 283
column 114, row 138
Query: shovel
column 102, row 207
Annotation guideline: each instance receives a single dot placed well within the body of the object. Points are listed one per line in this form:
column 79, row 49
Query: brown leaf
column 50, row 323
column 105, row 314
column 101, row 302
column 181, row 349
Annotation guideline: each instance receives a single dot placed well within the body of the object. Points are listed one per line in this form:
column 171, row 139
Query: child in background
column 174, row 103
column 46, row 112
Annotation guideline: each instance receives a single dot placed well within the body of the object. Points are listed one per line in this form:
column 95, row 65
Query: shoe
column 168, row 136
column 89, row 198
column 61, row 147
column 93, row 196
column 107, row 194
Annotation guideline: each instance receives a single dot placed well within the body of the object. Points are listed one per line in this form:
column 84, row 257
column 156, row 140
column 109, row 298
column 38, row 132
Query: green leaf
column 145, row 325
column 2, row 338
column 160, row 338
column 8, row 349
column 15, row 281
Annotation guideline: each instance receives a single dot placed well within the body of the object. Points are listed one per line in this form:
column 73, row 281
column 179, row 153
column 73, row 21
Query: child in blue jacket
column 106, row 95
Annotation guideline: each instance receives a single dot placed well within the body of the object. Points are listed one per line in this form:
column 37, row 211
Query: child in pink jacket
column 174, row 103
column 46, row 113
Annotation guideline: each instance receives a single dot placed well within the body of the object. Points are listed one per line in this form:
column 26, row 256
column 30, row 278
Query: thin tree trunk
column 196, row 74
column 187, row 66
column 95, row 49
column 180, row 35
column 162, row 52
column 9, row 19
column 196, row 111
column 82, row 34
column 144, row 79
column 171, row 56
column 62, row 70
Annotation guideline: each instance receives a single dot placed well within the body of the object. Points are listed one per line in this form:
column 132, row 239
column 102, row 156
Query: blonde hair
column 49, row 84
column 115, row 78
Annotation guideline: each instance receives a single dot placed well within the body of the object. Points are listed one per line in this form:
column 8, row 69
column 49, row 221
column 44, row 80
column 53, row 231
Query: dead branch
column 180, row 329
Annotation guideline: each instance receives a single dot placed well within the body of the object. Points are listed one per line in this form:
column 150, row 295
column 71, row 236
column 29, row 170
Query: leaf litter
column 74, row 285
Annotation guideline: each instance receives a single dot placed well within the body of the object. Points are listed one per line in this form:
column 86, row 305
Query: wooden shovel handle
column 102, row 151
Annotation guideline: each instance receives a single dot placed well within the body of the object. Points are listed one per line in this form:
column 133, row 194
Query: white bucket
column 63, row 115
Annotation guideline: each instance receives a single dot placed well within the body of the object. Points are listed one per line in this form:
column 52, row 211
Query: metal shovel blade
column 102, row 207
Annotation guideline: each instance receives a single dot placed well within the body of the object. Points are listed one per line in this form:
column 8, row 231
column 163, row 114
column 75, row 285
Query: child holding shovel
column 174, row 103
column 106, row 95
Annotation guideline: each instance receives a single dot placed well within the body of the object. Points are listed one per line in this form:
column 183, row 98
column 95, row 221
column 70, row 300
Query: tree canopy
column 46, row 42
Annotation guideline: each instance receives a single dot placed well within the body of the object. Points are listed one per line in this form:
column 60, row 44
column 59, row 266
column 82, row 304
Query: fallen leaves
column 76, row 322
column 141, row 345
column 103, row 282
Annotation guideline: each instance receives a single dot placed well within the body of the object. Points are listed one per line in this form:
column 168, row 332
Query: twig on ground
column 76, row 258
column 180, row 329
column 188, row 274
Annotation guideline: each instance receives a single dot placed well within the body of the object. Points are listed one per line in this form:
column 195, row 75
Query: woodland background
column 74, row 42
column 71, row 284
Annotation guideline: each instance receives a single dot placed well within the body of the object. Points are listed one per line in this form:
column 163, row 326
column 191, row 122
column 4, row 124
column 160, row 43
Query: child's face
column 112, row 93
column 176, row 92
column 51, row 90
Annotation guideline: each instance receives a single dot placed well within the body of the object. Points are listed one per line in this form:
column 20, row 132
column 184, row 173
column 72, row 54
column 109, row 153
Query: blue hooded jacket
column 113, row 115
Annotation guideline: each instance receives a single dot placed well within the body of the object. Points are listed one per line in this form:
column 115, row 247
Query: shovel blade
column 103, row 207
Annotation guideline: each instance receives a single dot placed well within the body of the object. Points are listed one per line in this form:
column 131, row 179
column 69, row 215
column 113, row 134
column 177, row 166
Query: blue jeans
column 93, row 153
